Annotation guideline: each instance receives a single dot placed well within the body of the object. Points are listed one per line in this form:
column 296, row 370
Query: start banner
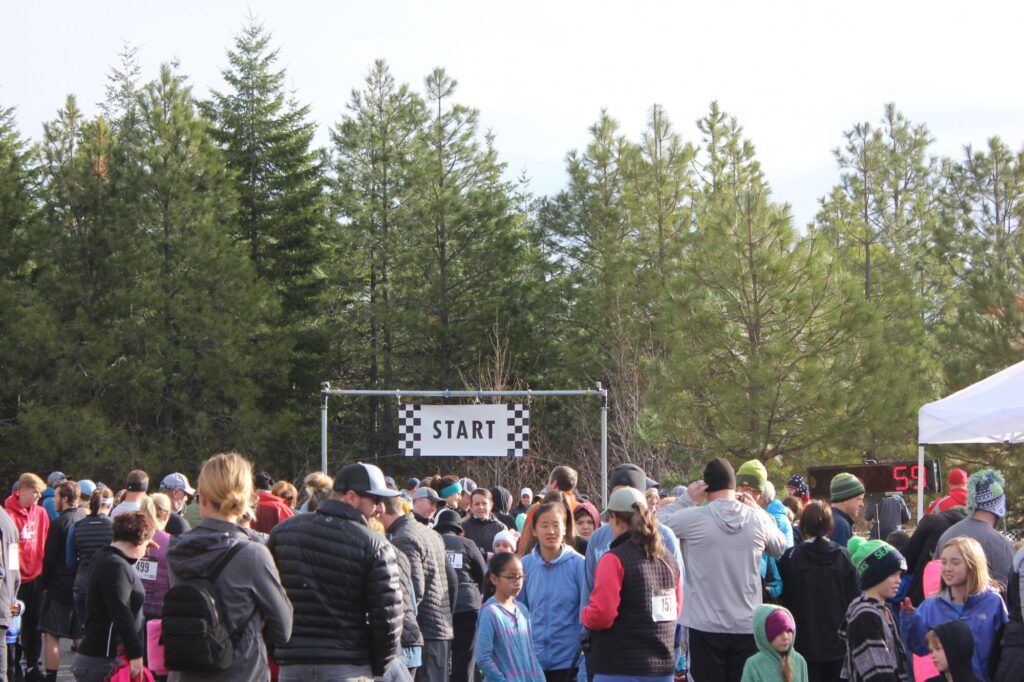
column 463, row 430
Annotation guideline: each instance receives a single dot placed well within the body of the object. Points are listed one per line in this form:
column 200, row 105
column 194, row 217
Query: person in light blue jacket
column 965, row 594
column 552, row 592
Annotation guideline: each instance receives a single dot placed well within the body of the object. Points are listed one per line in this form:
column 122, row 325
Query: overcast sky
column 796, row 74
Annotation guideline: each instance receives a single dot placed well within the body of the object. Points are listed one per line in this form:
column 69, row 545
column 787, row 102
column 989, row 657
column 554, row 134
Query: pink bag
column 123, row 674
column 154, row 649
column 923, row 666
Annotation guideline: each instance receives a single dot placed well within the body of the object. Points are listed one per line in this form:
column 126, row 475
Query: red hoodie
column 957, row 497
column 270, row 511
column 33, row 525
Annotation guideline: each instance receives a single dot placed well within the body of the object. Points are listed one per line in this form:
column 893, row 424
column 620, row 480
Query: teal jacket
column 764, row 665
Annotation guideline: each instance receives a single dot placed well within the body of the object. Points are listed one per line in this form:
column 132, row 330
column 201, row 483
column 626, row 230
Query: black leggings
column 464, row 646
column 31, row 639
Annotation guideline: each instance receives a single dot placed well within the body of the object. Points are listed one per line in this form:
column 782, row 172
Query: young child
column 967, row 594
column 505, row 541
column 776, row 660
column 952, row 648
column 873, row 647
column 504, row 638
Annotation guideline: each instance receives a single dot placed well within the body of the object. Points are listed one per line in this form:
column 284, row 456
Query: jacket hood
column 823, row 551
column 591, row 511
column 778, row 511
column 731, row 516
column 14, row 507
column 761, row 614
column 194, row 553
column 958, row 644
column 47, row 494
column 502, row 499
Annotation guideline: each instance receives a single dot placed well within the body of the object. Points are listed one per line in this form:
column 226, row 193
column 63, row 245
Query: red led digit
column 899, row 475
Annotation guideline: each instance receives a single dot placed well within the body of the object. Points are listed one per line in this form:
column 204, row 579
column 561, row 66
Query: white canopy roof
column 990, row 411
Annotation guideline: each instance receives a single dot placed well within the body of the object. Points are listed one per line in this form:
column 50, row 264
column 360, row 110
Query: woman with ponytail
column 248, row 585
column 776, row 660
column 636, row 599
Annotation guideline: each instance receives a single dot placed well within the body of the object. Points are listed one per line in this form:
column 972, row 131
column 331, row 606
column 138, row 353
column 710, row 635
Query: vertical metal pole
column 604, row 446
column 920, row 487
column 324, row 387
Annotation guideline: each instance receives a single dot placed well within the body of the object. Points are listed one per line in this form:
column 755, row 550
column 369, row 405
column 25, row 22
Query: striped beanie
column 845, row 487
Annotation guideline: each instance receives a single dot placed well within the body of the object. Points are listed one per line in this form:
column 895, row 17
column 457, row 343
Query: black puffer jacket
column 411, row 635
column 482, row 532
column 425, row 551
column 342, row 579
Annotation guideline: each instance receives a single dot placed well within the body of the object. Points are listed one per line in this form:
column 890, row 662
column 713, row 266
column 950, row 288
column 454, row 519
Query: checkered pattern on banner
column 408, row 439
column 518, row 430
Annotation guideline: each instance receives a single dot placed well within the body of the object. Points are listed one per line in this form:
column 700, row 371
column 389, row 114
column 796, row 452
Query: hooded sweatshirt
column 33, row 525
column 552, row 593
column 959, row 647
column 502, row 503
column 984, row 613
column 722, row 543
column 764, row 665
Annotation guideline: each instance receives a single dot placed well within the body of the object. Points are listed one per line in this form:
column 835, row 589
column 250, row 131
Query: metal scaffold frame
column 326, row 392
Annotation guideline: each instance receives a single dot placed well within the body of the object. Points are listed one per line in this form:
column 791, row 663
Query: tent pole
column 324, row 387
column 604, row 446
column 920, row 482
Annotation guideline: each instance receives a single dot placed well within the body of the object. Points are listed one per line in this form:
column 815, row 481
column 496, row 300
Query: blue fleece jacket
column 552, row 593
column 984, row 613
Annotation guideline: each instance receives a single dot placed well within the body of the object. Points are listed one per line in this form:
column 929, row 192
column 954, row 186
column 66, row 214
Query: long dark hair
column 553, row 501
column 497, row 564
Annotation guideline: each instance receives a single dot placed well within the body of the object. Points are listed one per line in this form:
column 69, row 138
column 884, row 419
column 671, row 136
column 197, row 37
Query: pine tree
column 279, row 177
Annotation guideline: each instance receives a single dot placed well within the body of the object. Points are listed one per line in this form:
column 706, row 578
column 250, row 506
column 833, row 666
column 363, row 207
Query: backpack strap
column 225, row 560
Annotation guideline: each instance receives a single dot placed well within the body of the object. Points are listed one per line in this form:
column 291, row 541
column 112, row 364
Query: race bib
column 663, row 606
column 455, row 559
column 13, row 558
column 146, row 568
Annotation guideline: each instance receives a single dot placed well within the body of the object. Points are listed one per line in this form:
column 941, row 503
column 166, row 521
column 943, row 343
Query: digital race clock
column 880, row 478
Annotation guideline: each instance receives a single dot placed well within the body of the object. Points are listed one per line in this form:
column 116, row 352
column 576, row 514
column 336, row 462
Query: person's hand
column 15, row 609
column 664, row 502
column 698, row 491
column 747, row 499
column 135, row 668
column 906, row 606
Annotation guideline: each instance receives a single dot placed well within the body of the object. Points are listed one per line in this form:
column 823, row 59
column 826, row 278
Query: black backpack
column 195, row 634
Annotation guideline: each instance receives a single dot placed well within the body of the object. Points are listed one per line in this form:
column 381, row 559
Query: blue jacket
column 984, row 613
column 552, row 593
column 769, row 565
column 841, row 528
column 47, row 502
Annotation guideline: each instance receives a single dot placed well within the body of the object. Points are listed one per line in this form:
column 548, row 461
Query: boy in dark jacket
column 952, row 650
column 874, row 651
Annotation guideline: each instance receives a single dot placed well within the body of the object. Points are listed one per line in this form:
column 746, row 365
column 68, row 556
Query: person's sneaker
column 34, row 675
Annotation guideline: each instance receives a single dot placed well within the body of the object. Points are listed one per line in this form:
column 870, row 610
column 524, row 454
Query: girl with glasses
column 504, row 636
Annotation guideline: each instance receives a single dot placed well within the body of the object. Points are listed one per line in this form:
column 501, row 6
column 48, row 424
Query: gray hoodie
column 722, row 543
column 249, row 589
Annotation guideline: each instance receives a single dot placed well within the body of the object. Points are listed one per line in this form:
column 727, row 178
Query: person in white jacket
column 722, row 543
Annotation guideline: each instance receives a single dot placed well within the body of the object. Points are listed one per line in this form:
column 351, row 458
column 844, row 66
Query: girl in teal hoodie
column 776, row 660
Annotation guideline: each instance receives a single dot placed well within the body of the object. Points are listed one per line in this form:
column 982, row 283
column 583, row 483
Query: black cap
column 365, row 479
column 629, row 475
column 719, row 475
column 448, row 520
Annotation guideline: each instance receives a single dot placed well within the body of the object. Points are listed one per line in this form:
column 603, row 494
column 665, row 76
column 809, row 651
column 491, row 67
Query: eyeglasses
column 518, row 578
column 372, row 498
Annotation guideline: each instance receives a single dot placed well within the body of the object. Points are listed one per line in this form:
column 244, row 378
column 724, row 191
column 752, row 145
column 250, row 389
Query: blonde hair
column 157, row 507
column 318, row 487
column 225, row 482
column 376, row 525
column 978, row 579
column 30, row 480
column 286, row 491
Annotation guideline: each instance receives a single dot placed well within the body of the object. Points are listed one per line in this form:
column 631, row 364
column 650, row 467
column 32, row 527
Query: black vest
column 635, row 644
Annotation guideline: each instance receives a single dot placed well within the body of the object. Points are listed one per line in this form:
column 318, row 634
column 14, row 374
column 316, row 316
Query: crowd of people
column 444, row 580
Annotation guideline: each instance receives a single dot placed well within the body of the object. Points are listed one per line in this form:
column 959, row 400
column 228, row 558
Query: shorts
column 59, row 619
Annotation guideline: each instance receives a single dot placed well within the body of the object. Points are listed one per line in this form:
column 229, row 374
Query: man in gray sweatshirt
column 722, row 543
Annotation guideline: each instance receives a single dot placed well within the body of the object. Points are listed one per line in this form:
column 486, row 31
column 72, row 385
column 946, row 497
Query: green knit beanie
column 752, row 474
column 875, row 560
column 844, row 487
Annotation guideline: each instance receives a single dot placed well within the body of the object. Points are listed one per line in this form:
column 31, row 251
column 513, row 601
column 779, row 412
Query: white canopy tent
column 990, row 411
